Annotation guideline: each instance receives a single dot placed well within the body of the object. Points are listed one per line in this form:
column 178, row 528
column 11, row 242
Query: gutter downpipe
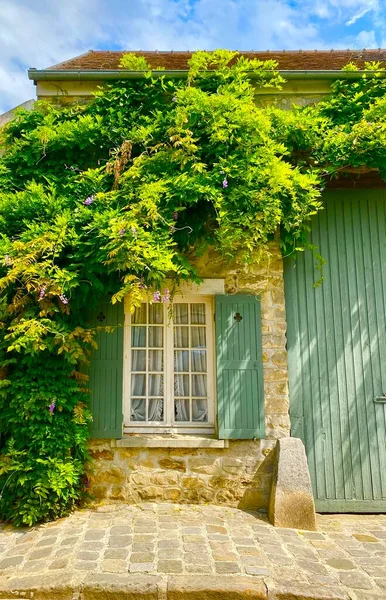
column 115, row 74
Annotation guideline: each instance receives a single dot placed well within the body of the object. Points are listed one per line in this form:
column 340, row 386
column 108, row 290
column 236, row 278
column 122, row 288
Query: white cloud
column 358, row 16
column 365, row 39
column 346, row 12
column 40, row 33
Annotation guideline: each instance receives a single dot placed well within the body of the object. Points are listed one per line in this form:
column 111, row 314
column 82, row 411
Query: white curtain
column 180, row 313
column 190, row 363
column 147, row 384
column 181, row 337
column 199, row 410
column 182, row 409
column 156, row 409
column 198, row 337
column 197, row 314
column 138, row 409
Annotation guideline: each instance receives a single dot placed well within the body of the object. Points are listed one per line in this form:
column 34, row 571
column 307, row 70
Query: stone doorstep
column 302, row 591
column 152, row 587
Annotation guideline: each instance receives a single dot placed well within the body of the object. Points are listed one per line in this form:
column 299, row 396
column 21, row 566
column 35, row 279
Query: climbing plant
column 113, row 197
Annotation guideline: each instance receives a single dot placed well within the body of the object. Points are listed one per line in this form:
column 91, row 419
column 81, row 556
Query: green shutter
column 106, row 372
column 240, row 395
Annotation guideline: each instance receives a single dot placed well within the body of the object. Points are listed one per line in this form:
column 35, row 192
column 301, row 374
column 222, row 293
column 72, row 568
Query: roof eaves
column 116, row 74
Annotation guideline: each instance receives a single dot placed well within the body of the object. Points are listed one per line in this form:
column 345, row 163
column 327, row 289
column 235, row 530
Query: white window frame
column 169, row 425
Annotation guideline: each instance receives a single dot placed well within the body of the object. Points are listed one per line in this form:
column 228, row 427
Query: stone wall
column 239, row 475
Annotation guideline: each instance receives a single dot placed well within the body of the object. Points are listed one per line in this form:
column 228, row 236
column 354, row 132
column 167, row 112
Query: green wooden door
column 240, row 395
column 106, row 372
column 337, row 352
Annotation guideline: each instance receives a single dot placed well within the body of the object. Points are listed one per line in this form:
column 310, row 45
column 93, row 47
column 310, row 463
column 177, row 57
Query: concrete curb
column 107, row 586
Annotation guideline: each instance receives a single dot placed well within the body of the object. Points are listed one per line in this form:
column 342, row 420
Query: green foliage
column 345, row 130
column 112, row 198
column 44, row 429
column 132, row 62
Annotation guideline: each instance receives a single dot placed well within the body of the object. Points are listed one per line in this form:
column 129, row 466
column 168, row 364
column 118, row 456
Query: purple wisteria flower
column 89, row 200
column 51, row 407
column 134, row 231
column 143, row 286
column 165, row 295
column 42, row 292
column 63, row 299
column 225, row 183
column 174, row 99
column 122, row 231
column 175, row 216
column 157, row 296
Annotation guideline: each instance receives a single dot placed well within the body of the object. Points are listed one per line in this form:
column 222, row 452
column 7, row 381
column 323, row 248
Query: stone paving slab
column 168, row 551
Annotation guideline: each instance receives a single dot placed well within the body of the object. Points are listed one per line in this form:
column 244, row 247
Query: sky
column 41, row 33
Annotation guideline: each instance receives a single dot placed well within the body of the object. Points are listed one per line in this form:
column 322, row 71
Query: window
column 169, row 371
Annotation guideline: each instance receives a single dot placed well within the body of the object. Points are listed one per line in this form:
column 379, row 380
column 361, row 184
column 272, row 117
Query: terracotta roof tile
column 289, row 60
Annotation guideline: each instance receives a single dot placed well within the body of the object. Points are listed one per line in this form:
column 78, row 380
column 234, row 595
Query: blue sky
column 40, row 33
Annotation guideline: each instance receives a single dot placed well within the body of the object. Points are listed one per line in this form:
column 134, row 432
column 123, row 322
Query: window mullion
column 190, row 361
column 147, row 363
column 168, row 368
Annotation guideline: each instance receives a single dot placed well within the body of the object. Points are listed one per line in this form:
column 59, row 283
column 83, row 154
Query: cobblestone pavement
column 347, row 554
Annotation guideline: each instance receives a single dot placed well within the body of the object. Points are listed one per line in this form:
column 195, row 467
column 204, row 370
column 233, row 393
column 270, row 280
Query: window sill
column 168, row 441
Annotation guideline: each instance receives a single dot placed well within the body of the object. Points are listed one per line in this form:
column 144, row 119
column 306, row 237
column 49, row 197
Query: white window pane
column 150, row 334
column 181, row 385
column 199, row 410
column 138, row 360
column 180, row 313
column 156, row 337
column 156, row 313
column 156, row 385
column 138, row 409
column 156, row 360
column 182, row 410
column 199, row 385
column 156, row 409
column 138, row 385
column 197, row 313
column 181, row 361
column 198, row 337
column 138, row 337
column 139, row 315
column 181, row 337
column 199, row 361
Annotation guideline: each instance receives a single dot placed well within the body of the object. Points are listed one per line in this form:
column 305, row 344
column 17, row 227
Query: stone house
column 190, row 411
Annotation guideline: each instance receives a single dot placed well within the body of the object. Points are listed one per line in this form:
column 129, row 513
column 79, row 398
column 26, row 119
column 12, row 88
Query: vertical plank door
column 337, row 352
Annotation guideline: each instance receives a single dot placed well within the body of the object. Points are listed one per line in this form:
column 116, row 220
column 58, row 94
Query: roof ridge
column 298, row 50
